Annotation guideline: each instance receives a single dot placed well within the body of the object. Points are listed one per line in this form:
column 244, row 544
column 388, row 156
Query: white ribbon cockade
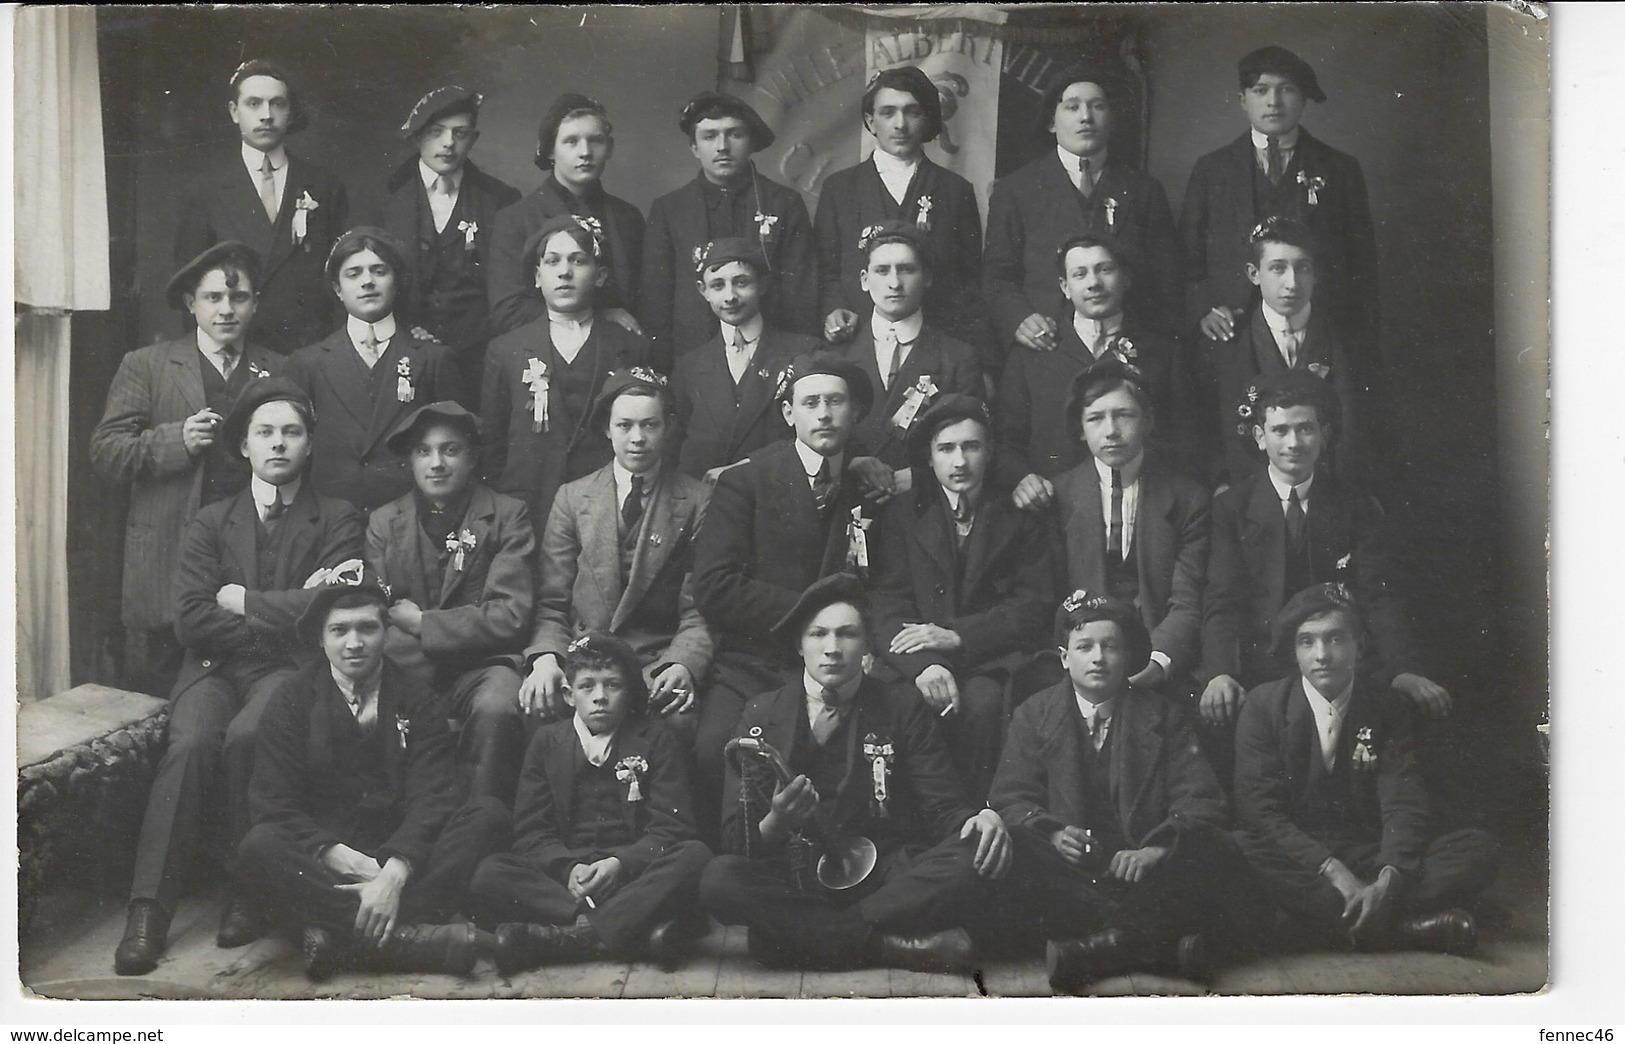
column 460, row 544
column 403, row 381
column 914, row 400
column 255, row 371
column 765, row 223
column 468, row 229
column 922, row 218
column 857, row 540
column 1365, row 756
column 301, row 209
column 404, row 727
column 1312, row 187
column 1111, row 213
column 535, row 376
column 630, row 770
column 880, row 755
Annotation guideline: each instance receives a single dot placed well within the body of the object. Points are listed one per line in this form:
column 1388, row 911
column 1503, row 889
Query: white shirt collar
column 1279, row 324
column 1090, row 711
column 814, row 690
column 430, row 176
column 1130, row 471
column 356, row 698
column 571, row 322
column 623, row 481
column 1089, row 330
column 1289, row 140
column 1340, row 704
column 264, row 493
column 1074, row 163
column 596, row 748
column 209, row 346
column 907, row 329
column 1284, row 487
column 254, row 159
column 383, row 330
column 886, row 163
column 811, row 460
column 751, row 328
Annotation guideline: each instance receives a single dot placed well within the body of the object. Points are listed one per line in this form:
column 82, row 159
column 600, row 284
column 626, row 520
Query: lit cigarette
column 946, row 711
column 590, row 904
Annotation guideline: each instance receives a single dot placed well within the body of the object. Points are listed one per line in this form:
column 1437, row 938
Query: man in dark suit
column 458, row 560
column 963, row 585
column 1330, row 802
column 241, row 583
column 573, row 146
column 618, row 557
column 855, row 759
column 1081, row 187
column 604, row 858
column 725, row 387
column 902, row 108
column 358, row 841
column 369, row 373
column 1277, row 168
column 1116, row 817
column 729, row 198
column 446, row 207
column 288, row 210
column 159, row 436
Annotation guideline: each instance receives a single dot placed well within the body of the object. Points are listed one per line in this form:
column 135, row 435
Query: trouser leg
column 667, row 887
column 1298, row 889
column 440, row 888
column 1455, row 868
column 795, row 926
column 926, row 891
column 507, row 887
column 492, row 742
column 292, row 884
column 238, row 750
column 975, row 734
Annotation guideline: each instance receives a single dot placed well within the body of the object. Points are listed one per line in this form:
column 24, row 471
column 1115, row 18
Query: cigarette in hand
column 590, row 904
column 946, row 711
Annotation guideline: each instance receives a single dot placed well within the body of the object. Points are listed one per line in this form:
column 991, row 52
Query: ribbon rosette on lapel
column 1320, row 370
column 403, row 727
column 1123, row 348
column 1311, row 187
column 1111, row 212
column 1245, row 411
column 880, row 754
column 403, row 380
column 922, row 216
column 460, row 544
column 1342, row 565
column 255, row 371
column 536, row 377
column 914, row 401
column 764, row 226
column 469, row 229
column 301, row 217
column 857, row 540
column 631, row 770
column 1365, row 753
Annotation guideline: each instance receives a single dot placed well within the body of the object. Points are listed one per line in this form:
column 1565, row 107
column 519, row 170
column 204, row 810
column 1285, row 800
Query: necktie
column 366, row 713
column 1097, row 729
column 274, row 512
column 1101, row 339
column 827, row 718
column 1114, row 534
column 1086, row 181
column 1289, row 344
column 228, row 362
column 890, row 350
column 736, row 356
column 1328, row 743
column 962, row 515
column 823, row 487
column 268, row 189
column 442, row 202
column 1294, row 521
column 369, row 347
column 632, row 506
column 1272, row 159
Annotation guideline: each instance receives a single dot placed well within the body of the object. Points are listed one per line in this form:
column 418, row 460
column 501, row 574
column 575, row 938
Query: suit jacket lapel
column 1136, row 750
column 387, row 407
column 933, row 531
column 405, row 568
column 1241, row 162
column 876, row 199
column 559, row 762
column 1151, row 534
column 1072, row 346
column 1090, row 528
column 599, row 527
column 239, row 537
column 755, row 393
column 343, row 370
column 1266, row 539
column 242, row 192
column 482, row 507
column 991, row 530
column 281, row 245
column 300, row 522
column 925, row 357
column 862, row 352
column 656, row 540
column 186, row 360
column 1302, row 737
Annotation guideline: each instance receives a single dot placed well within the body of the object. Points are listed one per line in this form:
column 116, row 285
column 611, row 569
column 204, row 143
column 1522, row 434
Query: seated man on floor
column 1118, row 823
column 851, row 759
column 357, row 838
column 1329, row 799
column 604, row 860
column 459, row 562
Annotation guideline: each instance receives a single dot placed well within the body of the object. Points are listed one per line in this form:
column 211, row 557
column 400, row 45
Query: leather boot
column 446, row 948
column 145, row 932
column 324, row 953
column 1448, row 931
column 948, row 951
column 1076, row 964
column 668, row 945
column 524, row 946
column 240, row 923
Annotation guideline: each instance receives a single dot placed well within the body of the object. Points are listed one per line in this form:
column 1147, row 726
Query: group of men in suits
column 817, row 536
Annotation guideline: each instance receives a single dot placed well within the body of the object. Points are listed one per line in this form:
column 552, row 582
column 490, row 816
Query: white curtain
column 61, row 266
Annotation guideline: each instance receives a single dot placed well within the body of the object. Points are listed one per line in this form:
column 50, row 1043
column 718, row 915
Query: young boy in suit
column 459, row 562
column 604, row 859
column 1278, row 168
column 244, row 575
column 864, row 760
column 574, row 144
column 369, row 373
column 725, row 387
column 542, row 379
column 286, row 209
column 963, row 583
column 728, row 199
column 1330, row 803
column 1122, row 860
column 1081, row 187
column 444, row 206
column 358, row 841
column 902, row 109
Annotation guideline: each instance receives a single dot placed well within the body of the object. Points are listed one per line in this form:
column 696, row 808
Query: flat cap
column 231, row 253
column 409, row 430
column 450, row 100
column 719, row 252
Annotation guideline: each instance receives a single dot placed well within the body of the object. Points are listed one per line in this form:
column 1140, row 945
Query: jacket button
column 208, row 663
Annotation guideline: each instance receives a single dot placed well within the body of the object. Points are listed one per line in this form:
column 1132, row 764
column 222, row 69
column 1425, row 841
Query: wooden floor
column 69, row 954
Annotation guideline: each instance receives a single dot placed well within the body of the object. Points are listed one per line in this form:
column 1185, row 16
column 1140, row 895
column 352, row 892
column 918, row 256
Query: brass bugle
column 842, row 862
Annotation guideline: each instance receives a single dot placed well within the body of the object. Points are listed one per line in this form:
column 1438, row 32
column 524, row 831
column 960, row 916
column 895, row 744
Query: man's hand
column 1221, row 700
column 1428, row 695
column 877, row 478
column 936, row 683
column 1072, row 843
column 622, row 318
column 1365, row 908
column 230, row 598
column 420, row 333
column 839, row 325
column 1220, row 323
column 1132, row 864
column 925, row 637
column 1038, row 332
column 1148, row 677
column 992, row 843
column 406, row 615
column 380, row 901
column 596, row 880
column 792, row 804
column 348, row 863
column 1033, row 493
column 542, row 691
column 198, row 431
column 673, row 690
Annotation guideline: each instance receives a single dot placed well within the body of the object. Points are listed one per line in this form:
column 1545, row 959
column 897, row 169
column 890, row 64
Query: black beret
column 618, row 382
column 618, row 652
column 260, row 391
column 230, row 253
column 824, row 592
column 406, row 433
column 1294, row 387
column 714, row 105
column 450, row 100
column 908, row 231
column 1102, row 76
column 943, row 411
column 353, row 242
column 548, row 132
column 1109, row 367
column 297, row 119
column 572, row 223
column 719, row 252
column 809, row 363
column 1280, row 62
column 1080, row 607
column 913, row 81
column 351, row 577
column 1308, row 603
